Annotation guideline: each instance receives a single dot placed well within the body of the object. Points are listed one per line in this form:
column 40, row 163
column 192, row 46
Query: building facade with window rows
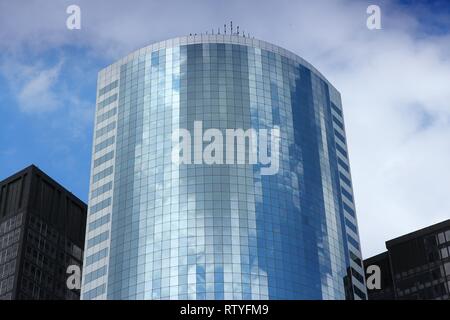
column 158, row 230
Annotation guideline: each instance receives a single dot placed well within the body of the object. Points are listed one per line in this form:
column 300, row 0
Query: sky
column 394, row 82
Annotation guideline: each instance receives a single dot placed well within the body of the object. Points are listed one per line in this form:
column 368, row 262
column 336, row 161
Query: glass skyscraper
column 161, row 230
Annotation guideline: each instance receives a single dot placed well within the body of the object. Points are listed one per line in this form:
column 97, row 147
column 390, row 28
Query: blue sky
column 52, row 130
column 394, row 84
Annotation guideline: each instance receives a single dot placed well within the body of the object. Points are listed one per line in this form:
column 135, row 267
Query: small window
column 441, row 238
column 447, row 268
column 444, row 253
column 447, row 235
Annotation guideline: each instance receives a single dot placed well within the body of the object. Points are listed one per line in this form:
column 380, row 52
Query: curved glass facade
column 160, row 230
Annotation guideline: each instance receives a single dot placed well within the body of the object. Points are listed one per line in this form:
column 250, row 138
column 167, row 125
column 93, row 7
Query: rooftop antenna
column 238, row 30
column 225, row 28
column 212, row 31
column 218, row 30
column 231, row 25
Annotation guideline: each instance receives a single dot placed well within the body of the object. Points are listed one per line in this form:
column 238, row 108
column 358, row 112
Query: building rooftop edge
column 418, row 233
column 376, row 257
column 32, row 167
column 216, row 38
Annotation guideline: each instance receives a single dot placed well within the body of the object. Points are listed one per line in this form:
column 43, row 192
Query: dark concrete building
column 415, row 266
column 42, row 228
column 386, row 291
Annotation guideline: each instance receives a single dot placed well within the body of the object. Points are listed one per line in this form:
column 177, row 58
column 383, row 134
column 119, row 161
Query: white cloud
column 37, row 92
column 33, row 86
column 394, row 83
column 52, row 95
